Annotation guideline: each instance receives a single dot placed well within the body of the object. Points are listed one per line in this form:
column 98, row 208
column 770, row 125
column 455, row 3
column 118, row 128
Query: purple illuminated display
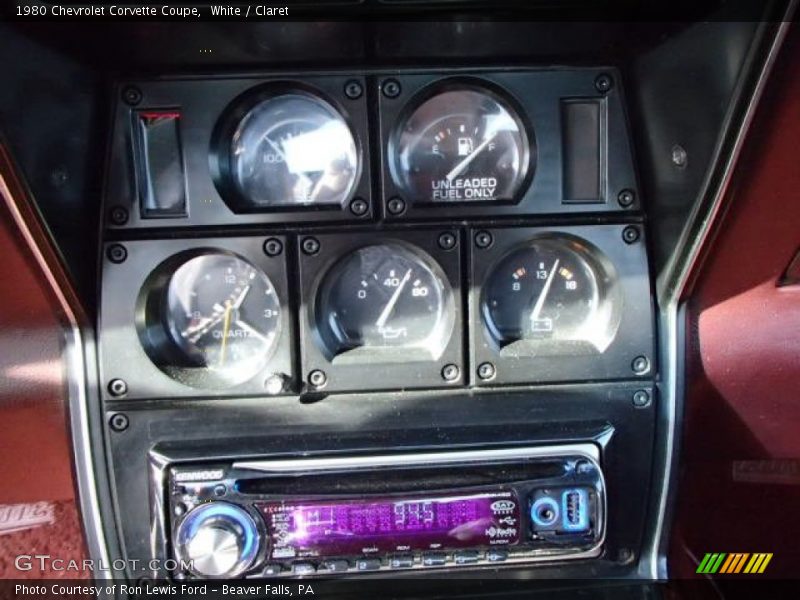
column 323, row 528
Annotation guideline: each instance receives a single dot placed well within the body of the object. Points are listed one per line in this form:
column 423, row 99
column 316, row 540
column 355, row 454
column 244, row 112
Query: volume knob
column 218, row 540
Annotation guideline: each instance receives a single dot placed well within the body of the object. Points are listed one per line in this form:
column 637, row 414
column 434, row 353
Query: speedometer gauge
column 292, row 149
column 385, row 296
column 462, row 145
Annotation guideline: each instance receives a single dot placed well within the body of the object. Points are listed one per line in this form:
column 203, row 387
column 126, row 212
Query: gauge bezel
column 135, row 345
column 523, row 361
column 466, row 84
column 541, row 95
column 220, row 161
column 378, row 368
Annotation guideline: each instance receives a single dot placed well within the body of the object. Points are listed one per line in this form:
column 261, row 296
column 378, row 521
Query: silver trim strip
column 350, row 463
column 78, row 404
column 657, row 566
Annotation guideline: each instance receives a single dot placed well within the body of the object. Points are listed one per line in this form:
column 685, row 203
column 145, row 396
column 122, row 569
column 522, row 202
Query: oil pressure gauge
column 461, row 145
column 385, row 297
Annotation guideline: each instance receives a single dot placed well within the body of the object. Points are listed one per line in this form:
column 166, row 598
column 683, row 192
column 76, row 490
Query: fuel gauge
column 461, row 145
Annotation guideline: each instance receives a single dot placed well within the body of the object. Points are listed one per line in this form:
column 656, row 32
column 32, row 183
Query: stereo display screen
column 325, row 528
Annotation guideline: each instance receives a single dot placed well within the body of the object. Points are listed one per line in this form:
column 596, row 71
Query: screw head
column 603, row 83
column 640, row 365
column 118, row 215
column 679, row 156
column 396, row 206
column 353, row 89
column 118, row 422
column 641, row 398
column 483, row 239
column 116, row 253
column 273, row 247
column 447, row 240
column 310, row 245
column 486, row 371
column 391, row 88
column 625, row 555
column 630, row 234
column 359, row 207
column 117, row 388
column 274, row 384
column 626, row 198
column 132, row 95
column 450, row 372
column 317, row 378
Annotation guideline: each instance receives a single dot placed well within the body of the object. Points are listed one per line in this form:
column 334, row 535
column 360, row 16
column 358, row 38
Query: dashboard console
column 373, row 321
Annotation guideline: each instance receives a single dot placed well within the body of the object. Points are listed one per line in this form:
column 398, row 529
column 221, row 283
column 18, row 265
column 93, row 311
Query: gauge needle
column 392, row 301
column 537, row 308
column 247, row 327
column 225, row 329
column 238, row 302
column 456, row 171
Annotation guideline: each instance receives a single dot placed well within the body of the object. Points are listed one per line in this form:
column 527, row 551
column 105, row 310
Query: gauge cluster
column 368, row 146
column 397, row 309
column 368, row 231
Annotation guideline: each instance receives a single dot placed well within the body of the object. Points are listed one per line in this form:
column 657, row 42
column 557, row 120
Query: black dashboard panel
column 207, row 110
column 565, row 147
column 539, row 98
column 431, row 363
column 135, row 343
column 450, row 261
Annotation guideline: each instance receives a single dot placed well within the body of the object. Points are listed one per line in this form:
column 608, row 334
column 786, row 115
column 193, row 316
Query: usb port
column 575, row 510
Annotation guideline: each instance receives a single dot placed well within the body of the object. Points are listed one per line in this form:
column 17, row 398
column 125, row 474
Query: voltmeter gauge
column 554, row 293
column 461, row 145
column 386, row 296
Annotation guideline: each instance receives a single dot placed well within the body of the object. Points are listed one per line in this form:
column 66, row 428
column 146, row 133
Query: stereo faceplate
column 350, row 514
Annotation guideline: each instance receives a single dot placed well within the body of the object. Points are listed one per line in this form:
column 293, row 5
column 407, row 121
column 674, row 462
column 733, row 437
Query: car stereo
column 333, row 514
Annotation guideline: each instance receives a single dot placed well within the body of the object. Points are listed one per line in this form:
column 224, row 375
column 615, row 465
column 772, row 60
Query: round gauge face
column 548, row 290
column 223, row 315
column 293, row 149
column 461, row 146
column 385, row 296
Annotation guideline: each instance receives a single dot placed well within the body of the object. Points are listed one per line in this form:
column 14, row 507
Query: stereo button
column 334, row 566
column 465, row 557
column 368, row 564
column 401, row 561
column 271, row 570
column 496, row 555
column 434, row 559
column 303, row 569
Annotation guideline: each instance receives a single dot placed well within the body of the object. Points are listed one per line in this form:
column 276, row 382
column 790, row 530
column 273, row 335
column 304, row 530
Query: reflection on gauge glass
column 293, row 149
column 461, row 146
column 385, row 297
column 223, row 315
column 552, row 293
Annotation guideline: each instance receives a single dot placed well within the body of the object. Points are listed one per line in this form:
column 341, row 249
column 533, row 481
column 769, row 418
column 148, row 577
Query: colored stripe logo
column 736, row 562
